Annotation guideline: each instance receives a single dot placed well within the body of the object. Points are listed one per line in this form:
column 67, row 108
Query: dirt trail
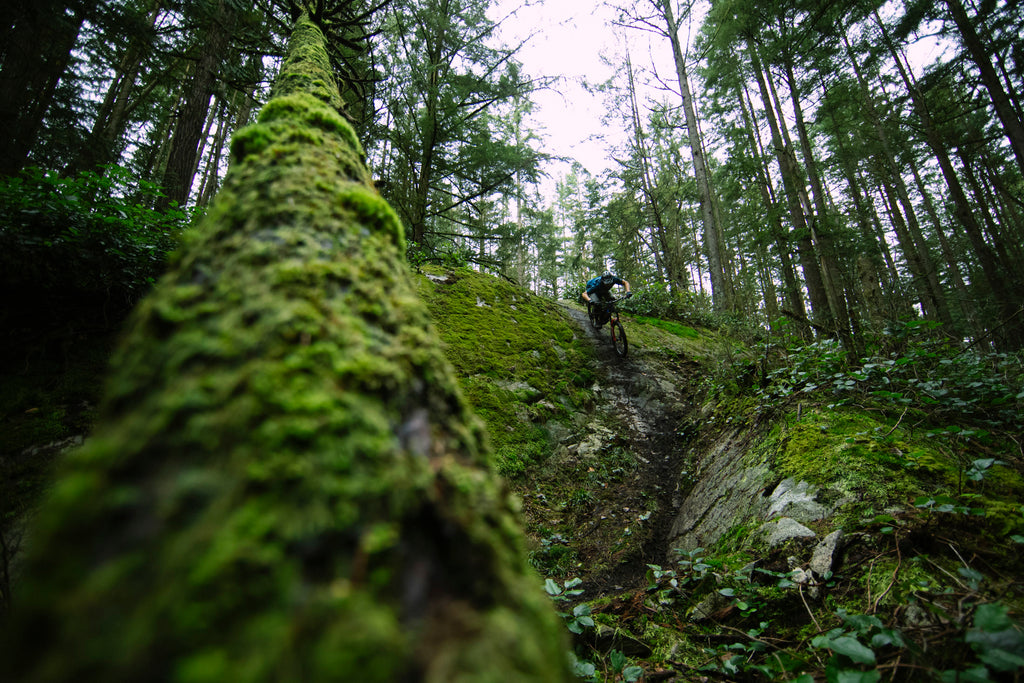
column 644, row 401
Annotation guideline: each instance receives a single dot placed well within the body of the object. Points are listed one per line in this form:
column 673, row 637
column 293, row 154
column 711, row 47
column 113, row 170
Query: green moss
column 286, row 480
column 518, row 356
column 670, row 326
column 838, row 450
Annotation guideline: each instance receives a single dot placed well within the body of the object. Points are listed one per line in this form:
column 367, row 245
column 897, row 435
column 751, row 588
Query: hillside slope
column 720, row 533
column 696, row 514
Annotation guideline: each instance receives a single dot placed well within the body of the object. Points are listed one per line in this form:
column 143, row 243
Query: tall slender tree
column 212, row 44
column 38, row 40
column 446, row 77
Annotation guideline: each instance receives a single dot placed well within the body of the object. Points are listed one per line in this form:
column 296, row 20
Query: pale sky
column 568, row 37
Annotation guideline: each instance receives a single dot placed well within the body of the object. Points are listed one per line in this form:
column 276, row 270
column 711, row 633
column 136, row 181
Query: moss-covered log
column 285, row 482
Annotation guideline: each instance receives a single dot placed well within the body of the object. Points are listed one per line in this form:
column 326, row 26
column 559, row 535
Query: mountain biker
column 599, row 289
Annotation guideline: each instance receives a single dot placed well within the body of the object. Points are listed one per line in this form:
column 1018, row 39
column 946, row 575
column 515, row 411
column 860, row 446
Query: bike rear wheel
column 619, row 339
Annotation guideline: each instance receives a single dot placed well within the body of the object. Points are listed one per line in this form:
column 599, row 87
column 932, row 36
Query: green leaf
column 975, row 675
column 852, row 648
column 848, row 676
column 1001, row 660
column 632, row 673
column 992, row 617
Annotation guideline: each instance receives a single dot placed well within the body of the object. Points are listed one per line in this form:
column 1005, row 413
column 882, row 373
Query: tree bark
column 100, row 148
column 1008, row 299
column 820, row 232
column 794, row 297
column 36, row 53
column 979, row 53
column 796, row 202
column 184, row 151
column 915, row 249
column 712, row 231
column 285, row 482
column 669, row 248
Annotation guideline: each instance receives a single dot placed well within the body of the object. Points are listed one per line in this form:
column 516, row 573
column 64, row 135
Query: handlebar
column 612, row 301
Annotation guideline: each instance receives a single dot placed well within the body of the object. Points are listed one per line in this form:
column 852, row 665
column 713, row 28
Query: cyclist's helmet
column 607, row 278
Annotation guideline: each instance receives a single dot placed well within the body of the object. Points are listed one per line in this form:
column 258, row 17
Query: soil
column 628, row 525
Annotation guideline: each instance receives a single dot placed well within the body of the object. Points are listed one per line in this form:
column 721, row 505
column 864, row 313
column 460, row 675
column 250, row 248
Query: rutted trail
column 645, row 413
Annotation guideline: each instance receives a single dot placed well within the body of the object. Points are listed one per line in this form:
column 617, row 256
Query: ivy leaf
column 992, row 617
column 848, row 676
column 848, row 646
column 632, row 673
column 975, row 675
column 997, row 640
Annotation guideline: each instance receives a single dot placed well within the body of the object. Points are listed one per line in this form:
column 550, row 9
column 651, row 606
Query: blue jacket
column 594, row 285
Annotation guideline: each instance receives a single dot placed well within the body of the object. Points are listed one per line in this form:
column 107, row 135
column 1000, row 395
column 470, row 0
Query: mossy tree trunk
column 285, row 482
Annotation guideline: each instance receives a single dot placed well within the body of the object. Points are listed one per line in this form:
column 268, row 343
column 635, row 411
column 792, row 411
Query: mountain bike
column 608, row 312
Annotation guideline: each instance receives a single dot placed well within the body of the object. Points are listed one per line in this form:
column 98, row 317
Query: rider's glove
column 629, row 294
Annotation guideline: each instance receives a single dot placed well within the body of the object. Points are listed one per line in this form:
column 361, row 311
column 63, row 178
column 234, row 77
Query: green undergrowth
column 675, row 328
column 916, row 460
column 712, row 350
column 520, row 360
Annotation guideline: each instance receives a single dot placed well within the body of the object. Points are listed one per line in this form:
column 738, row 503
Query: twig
column 957, row 553
column 895, row 573
column 943, row 570
column 897, row 422
column 808, row 607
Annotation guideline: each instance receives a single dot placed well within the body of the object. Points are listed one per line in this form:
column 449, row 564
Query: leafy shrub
column 910, row 368
column 92, row 233
column 658, row 302
column 447, row 255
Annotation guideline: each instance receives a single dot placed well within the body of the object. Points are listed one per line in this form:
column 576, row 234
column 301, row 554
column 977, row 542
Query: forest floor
column 602, row 507
column 641, row 405
column 608, row 454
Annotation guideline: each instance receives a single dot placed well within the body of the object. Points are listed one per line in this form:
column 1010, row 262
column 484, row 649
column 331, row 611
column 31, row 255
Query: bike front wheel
column 619, row 339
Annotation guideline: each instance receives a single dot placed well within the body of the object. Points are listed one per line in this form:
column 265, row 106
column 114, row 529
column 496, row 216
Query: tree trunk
column 820, row 232
column 285, row 482
column 109, row 124
column 794, row 297
column 915, row 249
column 979, row 53
column 36, row 54
column 669, row 248
column 792, row 185
column 712, row 231
column 946, row 249
column 1006, row 298
column 184, row 152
